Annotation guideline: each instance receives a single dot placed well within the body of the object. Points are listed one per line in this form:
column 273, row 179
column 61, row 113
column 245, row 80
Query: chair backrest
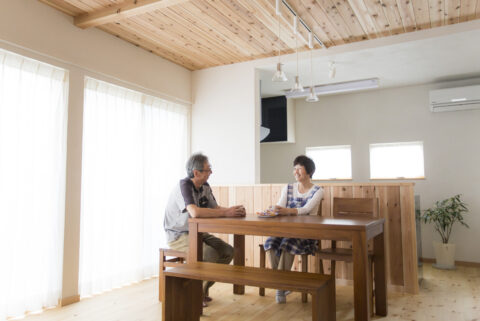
column 355, row 207
column 319, row 212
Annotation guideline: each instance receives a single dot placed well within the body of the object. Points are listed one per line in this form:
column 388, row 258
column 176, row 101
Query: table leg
column 239, row 259
column 194, row 242
column 361, row 284
column 380, row 277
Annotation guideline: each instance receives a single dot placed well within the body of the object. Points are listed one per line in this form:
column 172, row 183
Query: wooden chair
column 350, row 207
column 319, row 265
column 177, row 257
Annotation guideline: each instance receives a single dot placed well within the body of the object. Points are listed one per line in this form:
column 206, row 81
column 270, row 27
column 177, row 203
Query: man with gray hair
column 193, row 197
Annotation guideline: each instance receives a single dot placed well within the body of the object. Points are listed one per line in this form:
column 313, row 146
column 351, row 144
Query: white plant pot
column 445, row 255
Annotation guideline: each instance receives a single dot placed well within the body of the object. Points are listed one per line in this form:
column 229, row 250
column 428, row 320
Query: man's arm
column 234, row 211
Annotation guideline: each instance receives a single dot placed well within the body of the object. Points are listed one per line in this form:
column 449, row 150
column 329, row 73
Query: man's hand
column 235, row 211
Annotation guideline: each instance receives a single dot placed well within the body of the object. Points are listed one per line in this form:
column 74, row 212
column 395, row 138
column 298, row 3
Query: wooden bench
column 183, row 287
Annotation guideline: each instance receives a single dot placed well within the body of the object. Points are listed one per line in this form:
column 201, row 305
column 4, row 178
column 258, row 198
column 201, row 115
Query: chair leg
column 372, row 295
column 161, row 283
column 304, row 269
column 261, row 291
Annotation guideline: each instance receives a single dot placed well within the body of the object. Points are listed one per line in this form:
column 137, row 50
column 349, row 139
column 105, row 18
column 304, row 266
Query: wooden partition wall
column 396, row 201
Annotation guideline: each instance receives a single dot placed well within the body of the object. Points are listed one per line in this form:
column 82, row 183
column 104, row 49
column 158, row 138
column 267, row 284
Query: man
column 193, row 197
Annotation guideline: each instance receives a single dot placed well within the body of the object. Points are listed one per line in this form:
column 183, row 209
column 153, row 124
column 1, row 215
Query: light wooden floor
column 444, row 295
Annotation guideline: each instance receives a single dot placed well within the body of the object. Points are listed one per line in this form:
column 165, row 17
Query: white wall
column 225, row 123
column 38, row 31
column 451, row 148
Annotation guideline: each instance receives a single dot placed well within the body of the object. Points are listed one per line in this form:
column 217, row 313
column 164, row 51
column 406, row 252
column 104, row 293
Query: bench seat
column 183, row 287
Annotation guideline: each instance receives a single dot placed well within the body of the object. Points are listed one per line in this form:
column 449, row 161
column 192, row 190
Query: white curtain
column 134, row 151
column 33, row 114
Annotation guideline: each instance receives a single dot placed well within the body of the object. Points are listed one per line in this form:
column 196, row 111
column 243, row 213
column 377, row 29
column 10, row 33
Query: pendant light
column 312, row 97
column 297, row 87
column 279, row 75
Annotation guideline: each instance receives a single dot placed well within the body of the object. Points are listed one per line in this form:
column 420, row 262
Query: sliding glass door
column 33, row 114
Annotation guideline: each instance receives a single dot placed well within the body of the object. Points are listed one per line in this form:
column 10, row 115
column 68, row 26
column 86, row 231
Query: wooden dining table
column 356, row 230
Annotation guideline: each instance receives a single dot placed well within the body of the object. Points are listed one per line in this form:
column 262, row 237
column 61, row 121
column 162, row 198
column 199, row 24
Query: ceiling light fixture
column 341, row 87
column 312, row 97
column 279, row 75
column 297, row 86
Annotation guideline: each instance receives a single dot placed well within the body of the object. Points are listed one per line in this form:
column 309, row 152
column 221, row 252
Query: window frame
column 397, row 178
column 326, row 147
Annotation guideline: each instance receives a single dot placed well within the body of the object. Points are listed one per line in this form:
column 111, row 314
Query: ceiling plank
column 159, row 24
column 248, row 22
column 452, row 11
column 169, row 41
column 196, row 28
column 350, row 19
column 363, row 17
column 121, row 11
column 192, row 12
column 126, row 34
column 437, row 9
column 379, row 18
column 63, row 7
column 221, row 20
column 337, row 20
column 408, row 15
column 422, row 16
column 393, row 16
column 467, row 10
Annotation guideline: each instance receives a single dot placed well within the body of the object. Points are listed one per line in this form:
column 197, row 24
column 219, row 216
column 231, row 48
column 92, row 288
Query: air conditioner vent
column 453, row 99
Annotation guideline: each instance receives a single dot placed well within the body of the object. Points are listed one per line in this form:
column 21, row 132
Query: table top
column 295, row 221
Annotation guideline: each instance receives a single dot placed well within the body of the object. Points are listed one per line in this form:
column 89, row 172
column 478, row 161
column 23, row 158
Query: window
column 134, row 151
column 396, row 160
column 331, row 162
column 33, row 118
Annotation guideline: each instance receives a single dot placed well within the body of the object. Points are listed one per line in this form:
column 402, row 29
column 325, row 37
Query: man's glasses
column 209, row 170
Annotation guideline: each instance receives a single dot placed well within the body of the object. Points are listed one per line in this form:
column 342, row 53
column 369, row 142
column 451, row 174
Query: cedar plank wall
column 396, row 204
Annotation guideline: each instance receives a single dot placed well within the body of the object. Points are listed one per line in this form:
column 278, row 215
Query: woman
column 300, row 198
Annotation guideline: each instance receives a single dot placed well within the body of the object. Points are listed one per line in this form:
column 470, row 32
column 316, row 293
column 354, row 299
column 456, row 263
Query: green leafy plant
column 444, row 214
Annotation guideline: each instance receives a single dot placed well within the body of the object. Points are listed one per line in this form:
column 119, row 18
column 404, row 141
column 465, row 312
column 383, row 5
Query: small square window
column 331, row 162
column 397, row 161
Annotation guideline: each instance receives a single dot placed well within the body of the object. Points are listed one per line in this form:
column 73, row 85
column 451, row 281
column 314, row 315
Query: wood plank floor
column 444, row 295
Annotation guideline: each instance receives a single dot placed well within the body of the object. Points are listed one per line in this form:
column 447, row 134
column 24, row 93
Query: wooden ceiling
column 198, row 34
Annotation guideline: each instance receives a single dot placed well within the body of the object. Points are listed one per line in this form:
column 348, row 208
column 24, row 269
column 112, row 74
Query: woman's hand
column 285, row 210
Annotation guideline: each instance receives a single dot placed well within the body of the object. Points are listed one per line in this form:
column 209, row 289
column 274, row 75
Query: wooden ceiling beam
column 121, row 11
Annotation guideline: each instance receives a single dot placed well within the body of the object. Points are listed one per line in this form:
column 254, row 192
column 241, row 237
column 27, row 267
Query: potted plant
column 443, row 215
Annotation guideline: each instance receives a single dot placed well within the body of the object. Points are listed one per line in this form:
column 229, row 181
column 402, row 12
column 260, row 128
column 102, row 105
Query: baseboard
column 459, row 263
column 69, row 300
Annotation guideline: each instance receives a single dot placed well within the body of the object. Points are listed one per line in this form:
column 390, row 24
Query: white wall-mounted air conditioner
column 452, row 99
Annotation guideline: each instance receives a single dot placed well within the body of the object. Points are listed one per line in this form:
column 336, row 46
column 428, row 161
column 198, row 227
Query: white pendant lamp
column 279, row 75
column 312, row 97
column 297, row 86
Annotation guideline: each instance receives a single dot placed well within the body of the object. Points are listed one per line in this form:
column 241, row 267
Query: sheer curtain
column 33, row 114
column 134, row 151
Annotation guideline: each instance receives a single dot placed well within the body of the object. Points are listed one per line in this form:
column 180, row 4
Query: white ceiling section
column 429, row 56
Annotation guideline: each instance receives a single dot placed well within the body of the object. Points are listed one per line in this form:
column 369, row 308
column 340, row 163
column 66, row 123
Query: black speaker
column 274, row 117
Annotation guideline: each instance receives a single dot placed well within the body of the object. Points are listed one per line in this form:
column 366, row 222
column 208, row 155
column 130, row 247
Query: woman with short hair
column 300, row 198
